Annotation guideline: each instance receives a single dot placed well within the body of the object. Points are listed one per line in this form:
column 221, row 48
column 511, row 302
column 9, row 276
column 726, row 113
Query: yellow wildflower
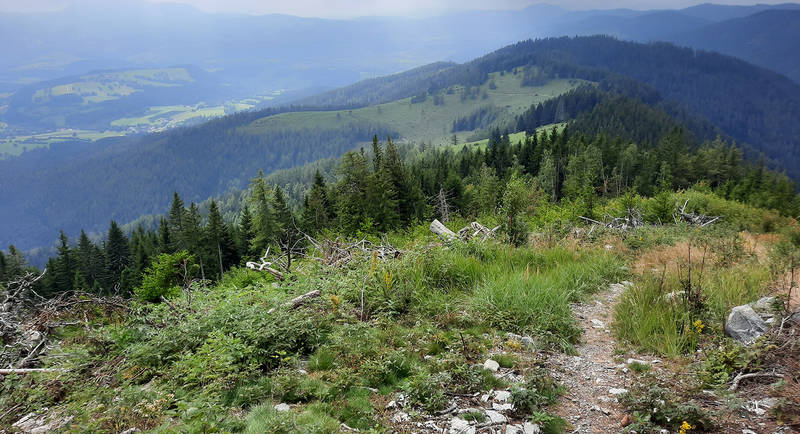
column 685, row 427
column 699, row 326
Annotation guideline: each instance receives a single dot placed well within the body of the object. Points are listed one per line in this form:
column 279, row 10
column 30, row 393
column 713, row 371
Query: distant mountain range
column 241, row 56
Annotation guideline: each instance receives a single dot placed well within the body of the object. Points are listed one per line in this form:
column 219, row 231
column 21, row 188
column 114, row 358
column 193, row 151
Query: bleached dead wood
column 740, row 377
column 476, row 229
column 265, row 265
column 336, row 252
column 701, row 220
column 442, row 232
column 632, row 220
column 299, row 300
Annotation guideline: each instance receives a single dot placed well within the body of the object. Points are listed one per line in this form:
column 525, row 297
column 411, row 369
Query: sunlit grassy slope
column 428, row 121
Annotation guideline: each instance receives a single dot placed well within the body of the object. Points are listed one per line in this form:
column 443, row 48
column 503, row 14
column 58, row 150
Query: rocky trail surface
column 593, row 378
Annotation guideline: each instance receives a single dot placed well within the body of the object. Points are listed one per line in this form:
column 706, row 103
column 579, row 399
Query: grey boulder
column 745, row 325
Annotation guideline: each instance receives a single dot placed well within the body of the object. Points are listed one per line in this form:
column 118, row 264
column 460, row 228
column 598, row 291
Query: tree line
column 380, row 190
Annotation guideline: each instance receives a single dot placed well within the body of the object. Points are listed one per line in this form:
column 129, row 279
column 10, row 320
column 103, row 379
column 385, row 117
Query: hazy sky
column 352, row 8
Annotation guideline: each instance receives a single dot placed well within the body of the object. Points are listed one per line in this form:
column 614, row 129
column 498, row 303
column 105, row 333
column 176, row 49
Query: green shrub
column 425, row 392
column 322, row 360
column 537, row 393
column 654, row 407
column 165, row 273
column 265, row 419
column 389, row 369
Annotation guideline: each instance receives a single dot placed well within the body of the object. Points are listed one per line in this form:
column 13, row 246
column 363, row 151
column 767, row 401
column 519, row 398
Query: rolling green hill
column 430, row 118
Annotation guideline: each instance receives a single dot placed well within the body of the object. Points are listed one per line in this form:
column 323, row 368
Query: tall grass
column 537, row 300
column 648, row 317
column 648, row 320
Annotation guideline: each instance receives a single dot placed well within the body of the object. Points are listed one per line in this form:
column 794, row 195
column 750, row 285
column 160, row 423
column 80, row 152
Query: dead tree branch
column 299, row 300
column 740, row 377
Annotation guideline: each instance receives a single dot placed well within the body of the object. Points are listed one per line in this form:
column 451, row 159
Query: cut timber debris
column 632, row 221
column 264, row 265
column 299, row 300
column 335, row 252
column 468, row 232
column 692, row 218
column 476, row 229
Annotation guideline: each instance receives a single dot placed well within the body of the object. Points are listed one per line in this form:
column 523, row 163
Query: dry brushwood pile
column 692, row 218
column 27, row 320
column 632, row 220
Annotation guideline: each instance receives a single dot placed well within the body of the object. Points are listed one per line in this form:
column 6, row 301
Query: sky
column 355, row 8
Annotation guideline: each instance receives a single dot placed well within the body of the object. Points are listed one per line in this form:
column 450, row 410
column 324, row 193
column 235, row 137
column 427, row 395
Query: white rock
column 461, row 426
column 609, row 247
column 617, row 391
column 282, row 407
column 495, row 417
column 400, row 417
column 391, row 404
column 764, row 304
column 531, row 428
column 502, row 395
column 502, row 407
column 598, row 324
column 747, row 431
column 514, row 429
column 491, row 365
column 528, row 342
column 641, row 362
column 485, row 398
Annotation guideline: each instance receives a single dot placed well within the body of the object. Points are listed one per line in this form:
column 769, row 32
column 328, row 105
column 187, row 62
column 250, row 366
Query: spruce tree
column 264, row 221
column 191, row 236
column 164, row 238
column 3, row 268
column 64, row 266
column 117, row 255
column 317, row 211
column 246, row 233
column 218, row 244
column 176, row 218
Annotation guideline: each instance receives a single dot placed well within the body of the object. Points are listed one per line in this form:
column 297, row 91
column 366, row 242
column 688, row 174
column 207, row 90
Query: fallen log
column 299, row 300
column 442, row 232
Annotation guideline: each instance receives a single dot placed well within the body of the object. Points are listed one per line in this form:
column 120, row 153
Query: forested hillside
column 132, row 177
column 762, row 38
